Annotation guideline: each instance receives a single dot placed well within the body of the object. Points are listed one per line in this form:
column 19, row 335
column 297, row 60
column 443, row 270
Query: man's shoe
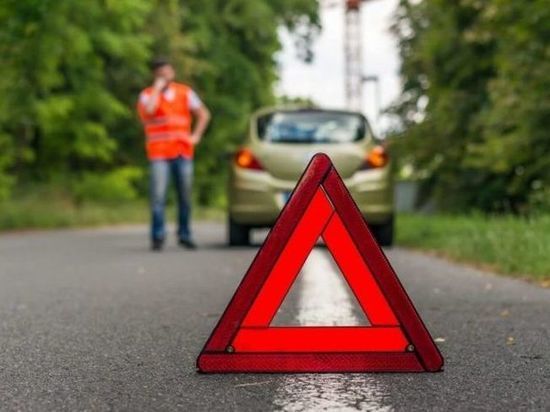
column 187, row 243
column 157, row 244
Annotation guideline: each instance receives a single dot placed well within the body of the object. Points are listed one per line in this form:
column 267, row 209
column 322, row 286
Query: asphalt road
column 91, row 320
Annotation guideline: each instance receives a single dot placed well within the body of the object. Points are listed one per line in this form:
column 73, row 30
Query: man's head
column 161, row 67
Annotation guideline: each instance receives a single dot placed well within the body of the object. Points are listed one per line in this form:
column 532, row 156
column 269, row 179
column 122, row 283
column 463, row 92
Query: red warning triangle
column 396, row 339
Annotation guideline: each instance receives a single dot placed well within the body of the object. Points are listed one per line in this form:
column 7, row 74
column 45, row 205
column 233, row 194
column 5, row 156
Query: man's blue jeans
column 181, row 170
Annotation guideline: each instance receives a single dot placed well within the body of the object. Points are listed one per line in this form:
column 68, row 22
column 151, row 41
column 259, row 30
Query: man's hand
column 203, row 118
column 159, row 84
column 195, row 138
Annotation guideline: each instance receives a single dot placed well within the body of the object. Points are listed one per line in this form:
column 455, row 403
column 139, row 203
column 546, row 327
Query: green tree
column 515, row 143
column 71, row 73
column 445, row 75
column 474, row 108
column 62, row 62
column 225, row 49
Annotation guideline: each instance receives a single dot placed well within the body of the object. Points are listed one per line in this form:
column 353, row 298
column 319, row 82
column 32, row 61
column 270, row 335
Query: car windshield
column 311, row 127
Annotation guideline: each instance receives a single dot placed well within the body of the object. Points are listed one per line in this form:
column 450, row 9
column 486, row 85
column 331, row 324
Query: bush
column 539, row 201
column 115, row 186
column 6, row 181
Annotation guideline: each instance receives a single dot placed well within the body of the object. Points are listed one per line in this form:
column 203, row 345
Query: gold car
column 280, row 144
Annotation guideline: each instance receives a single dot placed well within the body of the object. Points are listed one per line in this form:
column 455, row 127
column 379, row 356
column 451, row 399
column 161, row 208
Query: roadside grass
column 509, row 245
column 59, row 211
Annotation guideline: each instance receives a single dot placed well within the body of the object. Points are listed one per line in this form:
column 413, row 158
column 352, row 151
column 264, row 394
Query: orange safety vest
column 168, row 129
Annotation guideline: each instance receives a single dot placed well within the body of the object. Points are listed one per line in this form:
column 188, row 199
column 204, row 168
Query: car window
column 311, row 127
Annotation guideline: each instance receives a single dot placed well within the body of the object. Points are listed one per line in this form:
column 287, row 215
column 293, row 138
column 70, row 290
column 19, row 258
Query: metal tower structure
column 353, row 50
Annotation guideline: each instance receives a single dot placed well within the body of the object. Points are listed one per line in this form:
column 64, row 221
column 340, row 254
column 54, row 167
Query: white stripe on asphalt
column 324, row 301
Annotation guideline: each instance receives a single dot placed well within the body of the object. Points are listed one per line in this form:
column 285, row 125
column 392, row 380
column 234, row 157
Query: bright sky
column 323, row 81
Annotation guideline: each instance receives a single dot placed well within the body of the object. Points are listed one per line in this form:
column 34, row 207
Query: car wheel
column 384, row 233
column 239, row 235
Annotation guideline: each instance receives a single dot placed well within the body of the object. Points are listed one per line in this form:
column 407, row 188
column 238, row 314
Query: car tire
column 384, row 233
column 239, row 235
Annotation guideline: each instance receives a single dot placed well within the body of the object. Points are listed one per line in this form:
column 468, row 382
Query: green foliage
column 475, row 108
column 71, row 72
column 5, row 162
column 510, row 245
column 44, row 206
column 115, row 186
column 50, row 212
column 59, row 60
column 236, row 41
column 296, row 101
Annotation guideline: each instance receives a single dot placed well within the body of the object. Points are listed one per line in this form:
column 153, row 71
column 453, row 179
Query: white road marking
column 325, row 301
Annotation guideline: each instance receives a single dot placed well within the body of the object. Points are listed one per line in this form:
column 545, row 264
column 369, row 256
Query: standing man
column 167, row 110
